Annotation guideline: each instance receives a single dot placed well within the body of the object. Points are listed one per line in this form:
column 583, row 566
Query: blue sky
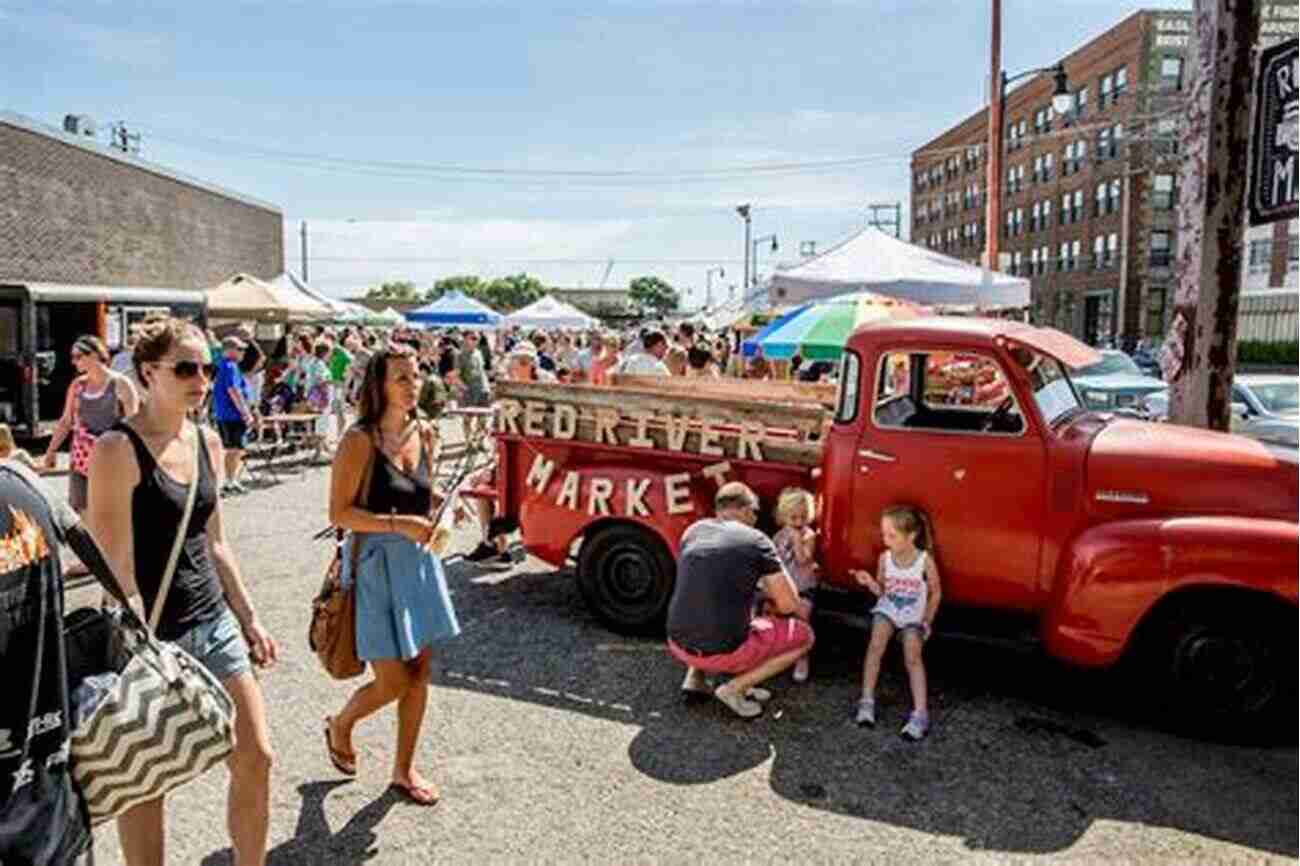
column 246, row 95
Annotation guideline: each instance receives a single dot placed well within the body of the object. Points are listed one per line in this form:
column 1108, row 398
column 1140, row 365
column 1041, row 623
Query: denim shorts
column 218, row 645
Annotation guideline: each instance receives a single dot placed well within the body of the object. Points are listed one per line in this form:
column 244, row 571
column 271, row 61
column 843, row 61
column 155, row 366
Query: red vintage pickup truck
column 1098, row 537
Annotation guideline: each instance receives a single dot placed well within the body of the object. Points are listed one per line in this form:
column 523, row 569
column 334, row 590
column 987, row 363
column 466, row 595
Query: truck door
column 12, row 398
column 944, row 432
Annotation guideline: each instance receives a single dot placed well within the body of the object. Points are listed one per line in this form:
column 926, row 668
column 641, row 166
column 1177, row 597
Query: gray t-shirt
column 718, row 570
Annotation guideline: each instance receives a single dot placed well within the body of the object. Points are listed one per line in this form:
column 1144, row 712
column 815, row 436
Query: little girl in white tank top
column 903, row 601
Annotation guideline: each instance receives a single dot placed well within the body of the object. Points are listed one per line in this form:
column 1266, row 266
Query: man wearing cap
column 711, row 626
column 230, row 408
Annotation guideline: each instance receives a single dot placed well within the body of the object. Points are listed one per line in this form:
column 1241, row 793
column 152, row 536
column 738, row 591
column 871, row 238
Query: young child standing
column 796, row 545
column 908, row 593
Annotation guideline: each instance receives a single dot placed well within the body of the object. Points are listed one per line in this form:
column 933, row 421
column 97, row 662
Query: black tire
column 1221, row 669
column 626, row 575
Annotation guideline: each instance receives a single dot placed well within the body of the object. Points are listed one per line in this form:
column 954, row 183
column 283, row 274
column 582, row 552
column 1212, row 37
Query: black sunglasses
column 190, row 369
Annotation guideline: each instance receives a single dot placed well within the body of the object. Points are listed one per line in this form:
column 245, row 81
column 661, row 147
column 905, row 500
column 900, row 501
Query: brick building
column 1089, row 196
column 73, row 210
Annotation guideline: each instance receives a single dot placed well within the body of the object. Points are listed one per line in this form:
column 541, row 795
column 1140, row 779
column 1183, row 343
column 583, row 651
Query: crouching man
column 711, row 626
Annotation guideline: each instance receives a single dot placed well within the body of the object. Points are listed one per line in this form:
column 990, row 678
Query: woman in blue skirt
column 382, row 490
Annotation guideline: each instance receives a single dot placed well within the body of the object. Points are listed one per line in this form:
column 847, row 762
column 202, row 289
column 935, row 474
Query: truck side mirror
column 1240, row 411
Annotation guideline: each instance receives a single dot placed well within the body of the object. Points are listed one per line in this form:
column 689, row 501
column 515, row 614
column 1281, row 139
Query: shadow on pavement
column 1025, row 755
column 313, row 842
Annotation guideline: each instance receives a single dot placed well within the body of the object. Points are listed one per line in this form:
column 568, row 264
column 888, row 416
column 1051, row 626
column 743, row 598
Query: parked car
column 1266, row 408
column 1114, row 383
column 1147, row 359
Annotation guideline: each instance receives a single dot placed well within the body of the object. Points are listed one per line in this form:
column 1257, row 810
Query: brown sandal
column 343, row 762
column 424, row 795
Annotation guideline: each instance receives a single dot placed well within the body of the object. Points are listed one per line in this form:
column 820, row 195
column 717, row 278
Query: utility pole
column 993, row 212
column 1199, row 355
column 896, row 223
column 304, row 250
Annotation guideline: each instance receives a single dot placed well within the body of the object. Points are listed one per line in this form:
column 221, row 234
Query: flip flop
column 342, row 761
column 424, row 795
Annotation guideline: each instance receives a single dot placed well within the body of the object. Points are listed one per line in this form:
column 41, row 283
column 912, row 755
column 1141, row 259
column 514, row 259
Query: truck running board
column 968, row 625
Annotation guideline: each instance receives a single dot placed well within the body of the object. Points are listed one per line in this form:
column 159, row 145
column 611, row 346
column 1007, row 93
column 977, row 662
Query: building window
column 1260, row 256
column 1121, row 82
column 1103, row 90
column 1155, row 312
column 1035, row 214
column 1043, row 257
column 1098, row 252
column 1162, row 195
column 1101, row 199
column 1116, row 137
column 1293, row 253
column 1033, row 261
column 1166, row 138
column 1081, row 102
column 1103, row 144
column 1016, row 260
column 1047, row 214
column 1161, row 249
column 1171, row 74
column 1048, row 160
column 1112, row 197
column 1112, row 249
column 1065, row 208
column 1076, row 207
column 1076, row 252
column 1064, row 256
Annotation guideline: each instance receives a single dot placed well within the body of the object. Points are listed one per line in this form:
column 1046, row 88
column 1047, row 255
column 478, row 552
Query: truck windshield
column 1053, row 392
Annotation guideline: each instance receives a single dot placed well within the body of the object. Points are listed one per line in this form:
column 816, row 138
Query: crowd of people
column 179, row 413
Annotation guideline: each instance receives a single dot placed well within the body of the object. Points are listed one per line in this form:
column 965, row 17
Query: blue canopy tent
column 456, row 310
column 749, row 347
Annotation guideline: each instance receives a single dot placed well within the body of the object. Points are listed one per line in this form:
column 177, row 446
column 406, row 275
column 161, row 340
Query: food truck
column 39, row 323
column 1094, row 537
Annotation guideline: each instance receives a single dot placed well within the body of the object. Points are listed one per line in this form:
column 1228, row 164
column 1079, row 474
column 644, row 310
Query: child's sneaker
column 801, row 670
column 739, row 704
column 918, row 725
column 866, row 715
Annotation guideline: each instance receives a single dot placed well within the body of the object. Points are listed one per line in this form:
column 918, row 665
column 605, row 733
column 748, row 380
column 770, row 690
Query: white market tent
column 246, row 297
column 392, row 317
column 456, row 310
column 873, row 261
column 551, row 313
column 340, row 311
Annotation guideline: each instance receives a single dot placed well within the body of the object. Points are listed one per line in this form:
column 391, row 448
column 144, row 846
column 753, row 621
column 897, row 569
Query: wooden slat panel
column 805, row 417
column 748, row 389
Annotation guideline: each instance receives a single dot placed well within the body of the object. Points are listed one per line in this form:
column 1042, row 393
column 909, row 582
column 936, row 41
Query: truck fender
column 1112, row 577
column 637, row 497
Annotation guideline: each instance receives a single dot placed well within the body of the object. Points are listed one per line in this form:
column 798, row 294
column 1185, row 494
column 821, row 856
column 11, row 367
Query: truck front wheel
column 626, row 575
column 1226, row 671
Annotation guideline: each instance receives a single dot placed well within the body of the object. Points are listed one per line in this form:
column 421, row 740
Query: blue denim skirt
column 403, row 604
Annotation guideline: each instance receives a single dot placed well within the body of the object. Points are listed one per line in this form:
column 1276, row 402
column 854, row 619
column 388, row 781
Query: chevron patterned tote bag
column 164, row 721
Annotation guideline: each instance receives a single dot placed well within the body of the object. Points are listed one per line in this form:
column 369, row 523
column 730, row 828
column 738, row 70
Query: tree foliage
column 467, row 284
column 654, row 294
column 395, row 290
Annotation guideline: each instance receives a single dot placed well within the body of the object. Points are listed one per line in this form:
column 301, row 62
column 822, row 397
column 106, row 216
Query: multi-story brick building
column 1089, row 196
column 73, row 210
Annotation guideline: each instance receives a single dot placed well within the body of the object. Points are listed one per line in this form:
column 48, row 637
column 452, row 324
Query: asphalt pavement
column 556, row 740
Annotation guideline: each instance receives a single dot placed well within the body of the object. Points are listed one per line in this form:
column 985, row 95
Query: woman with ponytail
column 908, row 593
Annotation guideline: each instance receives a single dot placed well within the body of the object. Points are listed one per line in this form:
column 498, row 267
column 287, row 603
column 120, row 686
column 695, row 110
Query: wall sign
column 1275, row 142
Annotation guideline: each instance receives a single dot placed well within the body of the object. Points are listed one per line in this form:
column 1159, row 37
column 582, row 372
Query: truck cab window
column 846, row 406
column 955, row 392
column 1053, row 393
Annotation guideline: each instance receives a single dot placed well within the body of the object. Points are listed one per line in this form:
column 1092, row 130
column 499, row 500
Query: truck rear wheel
column 626, row 575
column 1223, row 670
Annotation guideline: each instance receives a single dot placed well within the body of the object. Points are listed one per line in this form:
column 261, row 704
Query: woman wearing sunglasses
column 140, row 475
column 382, row 490
column 97, row 399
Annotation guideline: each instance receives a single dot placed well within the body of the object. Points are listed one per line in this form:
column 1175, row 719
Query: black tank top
column 157, row 505
column 393, row 491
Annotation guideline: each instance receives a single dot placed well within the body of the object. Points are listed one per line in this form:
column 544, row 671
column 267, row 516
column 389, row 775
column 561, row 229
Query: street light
column 743, row 210
column 1061, row 103
column 708, row 280
column 764, row 239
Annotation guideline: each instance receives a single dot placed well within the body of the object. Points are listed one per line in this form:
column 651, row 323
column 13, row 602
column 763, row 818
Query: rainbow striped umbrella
column 819, row 330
